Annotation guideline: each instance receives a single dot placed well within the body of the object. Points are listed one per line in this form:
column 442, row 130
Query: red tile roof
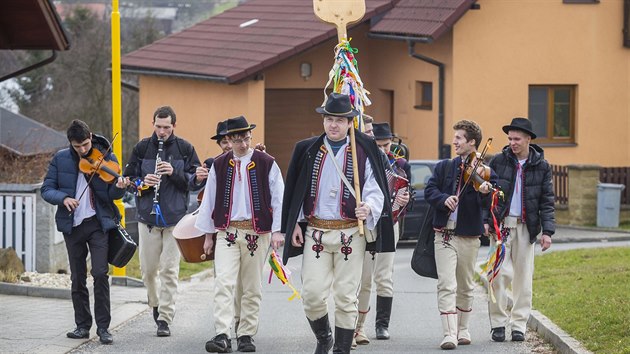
column 422, row 18
column 219, row 49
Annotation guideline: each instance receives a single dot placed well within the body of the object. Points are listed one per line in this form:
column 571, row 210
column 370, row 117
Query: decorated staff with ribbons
column 380, row 267
column 159, row 255
column 85, row 213
column 242, row 201
column 525, row 177
column 458, row 224
column 320, row 214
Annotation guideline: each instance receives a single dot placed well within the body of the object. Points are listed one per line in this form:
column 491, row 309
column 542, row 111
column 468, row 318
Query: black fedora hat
column 221, row 126
column 382, row 131
column 338, row 105
column 522, row 124
column 237, row 125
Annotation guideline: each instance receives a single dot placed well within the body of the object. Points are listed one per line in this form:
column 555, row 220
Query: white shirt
column 516, row 206
column 85, row 208
column 241, row 199
column 328, row 207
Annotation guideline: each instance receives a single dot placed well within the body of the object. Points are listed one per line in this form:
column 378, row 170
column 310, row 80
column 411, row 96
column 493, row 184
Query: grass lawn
column 587, row 293
column 185, row 269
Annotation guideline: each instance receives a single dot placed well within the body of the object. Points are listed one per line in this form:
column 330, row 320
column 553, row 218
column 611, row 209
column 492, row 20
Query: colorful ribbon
column 496, row 254
column 281, row 273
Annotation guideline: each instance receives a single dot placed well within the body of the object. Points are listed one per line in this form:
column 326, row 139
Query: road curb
column 561, row 340
column 590, row 239
column 541, row 324
column 28, row 290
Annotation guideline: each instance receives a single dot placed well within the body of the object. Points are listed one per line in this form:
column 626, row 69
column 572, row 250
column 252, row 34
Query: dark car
column 421, row 171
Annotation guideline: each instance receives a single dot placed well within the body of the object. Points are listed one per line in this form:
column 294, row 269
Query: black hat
column 237, row 125
column 221, row 126
column 338, row 105
column 382, row 131
column 522, row 124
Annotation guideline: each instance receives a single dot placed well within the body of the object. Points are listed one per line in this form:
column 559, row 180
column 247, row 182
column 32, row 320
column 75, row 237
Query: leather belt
column 242, row 224
column 332, row 224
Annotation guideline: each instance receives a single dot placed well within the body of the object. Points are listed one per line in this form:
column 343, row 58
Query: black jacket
column 538, row 189
column 192, row 183
column 61, row 182
column 297, row 183
column 174, row 188
column 470, row 212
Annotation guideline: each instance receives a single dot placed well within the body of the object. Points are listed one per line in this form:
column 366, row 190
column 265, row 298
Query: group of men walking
column 346, row 243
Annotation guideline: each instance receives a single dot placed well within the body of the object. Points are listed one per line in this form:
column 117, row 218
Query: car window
column 420, row 175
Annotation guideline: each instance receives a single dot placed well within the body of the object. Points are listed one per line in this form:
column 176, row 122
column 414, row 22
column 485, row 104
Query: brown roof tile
column 218, row 49
column 422, row 18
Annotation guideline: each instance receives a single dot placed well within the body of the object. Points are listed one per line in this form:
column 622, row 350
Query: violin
column 475, row 171
column 95, row 163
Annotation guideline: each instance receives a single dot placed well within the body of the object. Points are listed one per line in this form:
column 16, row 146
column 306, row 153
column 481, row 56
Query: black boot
column 343, row 340
column 383, row 312
column 323, row 333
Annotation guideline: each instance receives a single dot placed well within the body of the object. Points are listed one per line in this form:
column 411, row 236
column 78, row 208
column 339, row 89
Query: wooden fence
column 560, row 176
column 617, row 175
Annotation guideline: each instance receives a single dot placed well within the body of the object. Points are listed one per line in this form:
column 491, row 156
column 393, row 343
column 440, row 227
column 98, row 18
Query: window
column 580, row 1
column 552, row 112
column 420, row 174
column 424, row 95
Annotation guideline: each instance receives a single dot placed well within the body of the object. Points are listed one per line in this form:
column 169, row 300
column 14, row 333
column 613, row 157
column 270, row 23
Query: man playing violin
column 86, row 212
column 526, row 210
column 458, row 224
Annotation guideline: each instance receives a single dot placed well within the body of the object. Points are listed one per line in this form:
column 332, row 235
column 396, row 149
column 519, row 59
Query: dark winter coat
column 537, row 192
column 61, row 182
column 173, row 193
column 298, row 181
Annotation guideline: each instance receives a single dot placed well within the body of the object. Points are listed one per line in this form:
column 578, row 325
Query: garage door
column 290, row 117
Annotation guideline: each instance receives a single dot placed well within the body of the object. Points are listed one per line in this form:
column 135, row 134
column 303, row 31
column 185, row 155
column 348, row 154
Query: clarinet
column 158, row 159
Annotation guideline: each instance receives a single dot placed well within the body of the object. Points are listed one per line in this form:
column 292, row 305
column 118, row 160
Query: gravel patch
column 48, row 280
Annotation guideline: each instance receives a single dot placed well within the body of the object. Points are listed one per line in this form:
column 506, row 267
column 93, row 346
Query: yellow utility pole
column 116, row 106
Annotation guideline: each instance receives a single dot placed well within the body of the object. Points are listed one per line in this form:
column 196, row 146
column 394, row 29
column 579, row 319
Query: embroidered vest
column 258, row 176
column 348, row 202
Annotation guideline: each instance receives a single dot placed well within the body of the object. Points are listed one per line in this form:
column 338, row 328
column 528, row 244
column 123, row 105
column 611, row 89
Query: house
column 427, row 64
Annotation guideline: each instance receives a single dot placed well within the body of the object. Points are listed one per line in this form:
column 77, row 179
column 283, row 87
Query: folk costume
column 528, row 208
column 333, row 251
column 456, row 246
column 242, row 203
column 380, row 267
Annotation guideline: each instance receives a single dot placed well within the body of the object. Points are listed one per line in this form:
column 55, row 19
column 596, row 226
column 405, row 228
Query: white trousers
column 455, row 258
column 159, row 258
column 234, row 261
column 332, row 269
column 517, row 272
column 379, row 268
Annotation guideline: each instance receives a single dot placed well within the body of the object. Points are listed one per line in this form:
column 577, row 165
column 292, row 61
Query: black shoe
column 382, row 333
column 343, row 340
column 245, row 344
column 219, row 344
column 518, row 336
column 79, row 333
column 104, row 336
column 498, row 334
column 163, row 330
column 156, row 314
column 323, row 333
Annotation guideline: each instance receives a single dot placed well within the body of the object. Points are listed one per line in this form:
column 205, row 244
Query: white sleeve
column 276, row 186
column 204, row 219
column 372, row 196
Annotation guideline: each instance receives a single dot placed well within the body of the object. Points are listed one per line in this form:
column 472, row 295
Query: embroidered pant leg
column 366, row 281
column 384, row 269
column 446, row 264
column 251, row 281
column 467, row 250
column 169, row 275
column 347, row 278
column 502, row 283
column 317, row 276
column 227, row 265
column 523, row 263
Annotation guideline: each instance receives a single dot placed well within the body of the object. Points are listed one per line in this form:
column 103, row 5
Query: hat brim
column 507, row 128
column 218, row 137
column 322, row 110
column 237, row 130
column 383, row 137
